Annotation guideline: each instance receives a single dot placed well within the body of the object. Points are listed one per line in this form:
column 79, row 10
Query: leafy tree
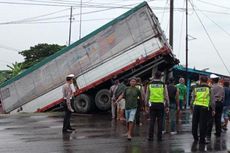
column 4, row 75
column 15, row 69
column 37, row 53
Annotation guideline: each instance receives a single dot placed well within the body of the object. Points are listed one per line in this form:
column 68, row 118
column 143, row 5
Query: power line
column 35, row 17
column 38, row 18
column 213, row 12
column 213, row 4
column 209, row 37
column 51, row 18
column 9, row 48
column 67, row 5
column 180, row 44
column 226, row 32
column 64, row 21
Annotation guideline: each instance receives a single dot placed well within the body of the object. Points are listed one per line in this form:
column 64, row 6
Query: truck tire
column 103, row 100
column 82, row 103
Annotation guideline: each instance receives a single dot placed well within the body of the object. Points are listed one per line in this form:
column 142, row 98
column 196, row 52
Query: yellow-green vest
column 156, row 93
column 202, row 96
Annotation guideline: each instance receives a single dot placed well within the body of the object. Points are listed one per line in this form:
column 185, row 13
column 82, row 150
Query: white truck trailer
column 133, row 44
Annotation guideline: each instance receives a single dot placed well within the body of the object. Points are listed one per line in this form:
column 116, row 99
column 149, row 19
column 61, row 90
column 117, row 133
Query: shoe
column 196, row 139
column 204, row 142
column 150, row 139
column 129, row 138
column 122, row 119
column 71, row 129
column 125, row 134
column 217, row 135
column 159, row 139
column 66, row 131
column 173, row 133
column 225, row 128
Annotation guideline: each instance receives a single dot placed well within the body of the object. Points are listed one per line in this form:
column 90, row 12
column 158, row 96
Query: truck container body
column 133, row 44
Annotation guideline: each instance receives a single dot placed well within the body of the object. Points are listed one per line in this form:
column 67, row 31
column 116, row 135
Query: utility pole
column 70, row 23
column 186, row 40
column 80, row 20
column 186, row 50
column 171, row 15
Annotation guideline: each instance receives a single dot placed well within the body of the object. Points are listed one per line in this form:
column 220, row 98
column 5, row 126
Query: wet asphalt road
column 41, row 133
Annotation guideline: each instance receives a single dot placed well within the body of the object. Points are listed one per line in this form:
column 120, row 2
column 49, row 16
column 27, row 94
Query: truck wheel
column 82, row 103
column 103, row 100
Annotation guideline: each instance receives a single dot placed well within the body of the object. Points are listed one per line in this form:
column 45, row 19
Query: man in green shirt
column 131, row 95
column 181, row 87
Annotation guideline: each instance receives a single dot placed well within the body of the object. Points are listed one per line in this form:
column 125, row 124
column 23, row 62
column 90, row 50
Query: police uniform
column 156, row 100
column 200, row 113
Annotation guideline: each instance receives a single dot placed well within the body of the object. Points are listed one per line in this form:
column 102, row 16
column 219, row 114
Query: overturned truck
column 133, row 44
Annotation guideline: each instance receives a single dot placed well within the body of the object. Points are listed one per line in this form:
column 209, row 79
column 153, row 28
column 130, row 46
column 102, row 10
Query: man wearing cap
column 201, row 102
column 217, row 97
column 67, row 95
column 157, row 96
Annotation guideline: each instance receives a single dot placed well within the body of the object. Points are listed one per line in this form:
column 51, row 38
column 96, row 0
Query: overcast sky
column 22, row 26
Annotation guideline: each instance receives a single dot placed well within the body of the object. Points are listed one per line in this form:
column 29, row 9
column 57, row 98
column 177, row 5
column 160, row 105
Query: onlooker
column 226, row 104
column 113, row 98
column 120, row 103
column 182, row 96
column 67, row 95
column 157, row 96
column 173, row 105
column 140, row 105
column 217, row 97
column 130, row 95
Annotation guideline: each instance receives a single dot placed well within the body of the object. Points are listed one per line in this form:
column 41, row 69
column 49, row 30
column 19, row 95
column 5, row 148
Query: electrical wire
column 209, row 37
column 9, row 48
column 32, row 18
column 162, row 17
column 212, row 4
column 66, row 5
column 182, row 22
column 226, row 32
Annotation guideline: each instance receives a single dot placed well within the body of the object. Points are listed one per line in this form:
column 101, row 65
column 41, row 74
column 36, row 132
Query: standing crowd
column 210, row 104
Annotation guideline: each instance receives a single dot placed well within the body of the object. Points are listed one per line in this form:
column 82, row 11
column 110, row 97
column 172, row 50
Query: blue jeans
column 130, row 114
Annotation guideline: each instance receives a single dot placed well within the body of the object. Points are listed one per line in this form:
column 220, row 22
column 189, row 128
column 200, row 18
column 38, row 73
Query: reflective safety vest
column 156, row 93
column 202, row 96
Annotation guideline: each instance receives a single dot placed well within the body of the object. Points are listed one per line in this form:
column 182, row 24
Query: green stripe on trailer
column 66, row 49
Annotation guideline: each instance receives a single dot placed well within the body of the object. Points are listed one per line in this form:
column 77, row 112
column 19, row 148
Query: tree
column 4, row 75
column 37, row 53
column 15, row 69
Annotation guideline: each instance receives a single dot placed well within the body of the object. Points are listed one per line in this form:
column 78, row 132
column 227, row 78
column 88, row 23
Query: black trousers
column 199, row 119
column 156, row 113
column 138, row 113
column 217, row 118
column 209, row 123
column 67, row 116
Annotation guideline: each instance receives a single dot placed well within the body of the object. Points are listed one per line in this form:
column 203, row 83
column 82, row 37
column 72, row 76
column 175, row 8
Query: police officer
column 68, row 97
column 201, row 100
column 157, row 96
column 217, row 97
